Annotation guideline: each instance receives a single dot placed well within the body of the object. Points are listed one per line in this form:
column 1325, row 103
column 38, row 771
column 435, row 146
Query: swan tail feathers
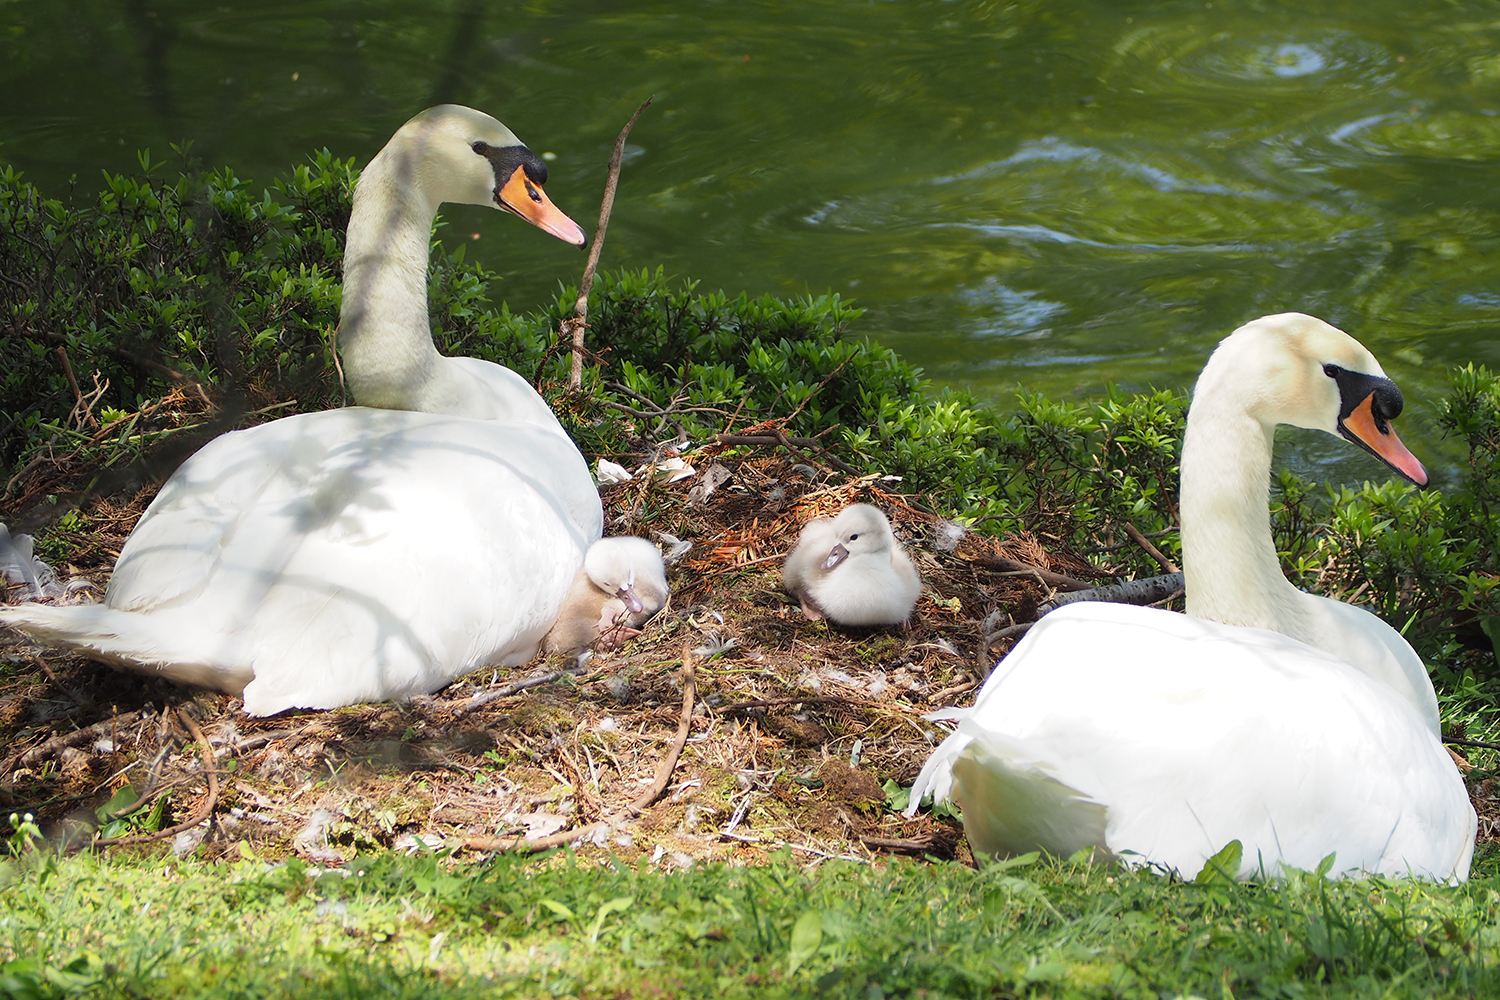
column 1014, row 800
column 142, row 643
column 936, row 777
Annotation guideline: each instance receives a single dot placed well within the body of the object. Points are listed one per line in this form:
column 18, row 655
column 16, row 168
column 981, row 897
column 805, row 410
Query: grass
column 399, row 926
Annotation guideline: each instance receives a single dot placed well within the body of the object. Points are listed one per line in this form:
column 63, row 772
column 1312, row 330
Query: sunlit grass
column 423, row 927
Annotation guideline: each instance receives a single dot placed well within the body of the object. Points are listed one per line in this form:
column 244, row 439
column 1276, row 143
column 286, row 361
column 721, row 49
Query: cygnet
column 852, row 570
column 621, row 584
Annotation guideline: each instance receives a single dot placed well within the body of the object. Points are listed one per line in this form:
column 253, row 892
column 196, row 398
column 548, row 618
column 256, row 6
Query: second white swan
column 1300, row 726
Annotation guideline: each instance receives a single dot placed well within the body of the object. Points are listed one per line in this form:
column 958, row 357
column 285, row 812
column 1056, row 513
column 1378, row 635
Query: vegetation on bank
column 192, row 286
column 194, row 280
column 396, row 926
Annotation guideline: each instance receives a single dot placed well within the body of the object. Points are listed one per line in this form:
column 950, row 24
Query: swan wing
column 355, row 555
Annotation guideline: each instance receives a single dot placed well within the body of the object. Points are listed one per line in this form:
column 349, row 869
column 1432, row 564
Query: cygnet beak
column 633, row 602
column 836, row 555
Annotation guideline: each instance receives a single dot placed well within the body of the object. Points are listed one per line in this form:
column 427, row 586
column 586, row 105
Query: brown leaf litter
column 795, row 725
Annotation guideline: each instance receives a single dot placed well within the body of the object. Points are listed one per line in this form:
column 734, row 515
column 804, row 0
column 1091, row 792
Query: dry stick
column 1167, row 565
column 820, row 699
column 920, row 845
column 581, row 307
column 640, row 805
column 1056, row 580
column 1147, row 591
column 480, row 700
column 67, row 367
column 206, row 811
column 1463, row 742
column 72, row 739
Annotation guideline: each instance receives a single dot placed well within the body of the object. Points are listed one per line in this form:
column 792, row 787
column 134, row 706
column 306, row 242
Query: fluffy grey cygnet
column 852, row 570
column 621, row 584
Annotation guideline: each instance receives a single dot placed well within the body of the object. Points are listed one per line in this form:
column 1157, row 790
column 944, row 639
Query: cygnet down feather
column 852, row 570
column 621, row 584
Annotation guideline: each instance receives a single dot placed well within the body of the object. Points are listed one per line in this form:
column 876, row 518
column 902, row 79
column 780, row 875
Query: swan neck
column 1232, row 573
column 384, row 335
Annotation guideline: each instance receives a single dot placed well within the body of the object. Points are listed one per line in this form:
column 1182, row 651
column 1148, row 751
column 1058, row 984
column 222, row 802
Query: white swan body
column 363, row 553
column 852, row 569
column 331, row 558
column 622, row 583
column 1299, row 726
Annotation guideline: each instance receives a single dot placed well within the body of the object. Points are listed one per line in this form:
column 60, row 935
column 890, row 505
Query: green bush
column 199, row 279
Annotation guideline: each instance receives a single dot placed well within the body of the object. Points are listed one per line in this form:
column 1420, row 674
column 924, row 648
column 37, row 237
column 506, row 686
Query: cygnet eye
column 853, row 536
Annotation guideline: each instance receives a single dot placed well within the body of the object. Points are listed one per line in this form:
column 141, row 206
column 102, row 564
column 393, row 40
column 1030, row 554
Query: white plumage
column 1297, row 725
column 363, row 554
column 852, row 569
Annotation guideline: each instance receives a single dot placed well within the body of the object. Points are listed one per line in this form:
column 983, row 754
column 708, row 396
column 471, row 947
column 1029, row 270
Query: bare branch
column 581, row 307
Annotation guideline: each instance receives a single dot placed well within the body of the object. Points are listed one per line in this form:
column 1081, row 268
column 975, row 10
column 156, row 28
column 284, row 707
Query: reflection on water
column 1046, row 193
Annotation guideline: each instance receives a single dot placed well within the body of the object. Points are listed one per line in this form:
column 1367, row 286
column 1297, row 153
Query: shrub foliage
column 158, row 283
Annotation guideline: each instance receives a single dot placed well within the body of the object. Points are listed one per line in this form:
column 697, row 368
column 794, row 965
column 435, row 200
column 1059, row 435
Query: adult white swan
column 1298, row 725
column 365, row 553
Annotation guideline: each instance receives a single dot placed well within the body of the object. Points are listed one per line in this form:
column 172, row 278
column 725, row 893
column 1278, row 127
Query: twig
column 1463, row 742
column 1051, row 579
column 581, row 307
column 203, row 813
column 72, row 739
column 1151, row 550
column 636, row 808
column 536, row 680
column 920, row 845
column 67, row 367
column 819, row 699
column 1147, row 591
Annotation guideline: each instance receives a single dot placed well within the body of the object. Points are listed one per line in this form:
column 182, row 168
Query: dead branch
column 636, row 808
column 820, row 699
column 73, row 739
column 1167, row 565
column 67, row 367
column 1147, row 591
column 536, row 680
column 1055, row 580
column 581, row 307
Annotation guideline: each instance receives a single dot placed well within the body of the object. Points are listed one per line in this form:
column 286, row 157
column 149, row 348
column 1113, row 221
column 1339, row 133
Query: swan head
column 1291, row 368
column 630, row 569
column 457, row 154
column 860, row 530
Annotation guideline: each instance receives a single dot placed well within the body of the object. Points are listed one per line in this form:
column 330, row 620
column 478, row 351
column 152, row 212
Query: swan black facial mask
column 519, row 176
column 1367, row 405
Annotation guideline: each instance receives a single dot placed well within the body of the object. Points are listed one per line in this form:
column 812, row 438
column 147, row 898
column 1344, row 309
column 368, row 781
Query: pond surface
column 1051, row 195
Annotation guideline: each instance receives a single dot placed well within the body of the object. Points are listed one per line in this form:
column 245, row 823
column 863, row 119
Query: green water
column 1044, row 194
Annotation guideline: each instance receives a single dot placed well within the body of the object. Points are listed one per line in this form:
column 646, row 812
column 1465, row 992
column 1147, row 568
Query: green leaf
column 807, row 935
column 1491, row 626
column 1222, row 867
column 605, row 909
column 122, row 800
column 896, row 796
column 558, row 908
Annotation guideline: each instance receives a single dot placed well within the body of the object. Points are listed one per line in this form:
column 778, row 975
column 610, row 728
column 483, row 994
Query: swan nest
column 801, row 732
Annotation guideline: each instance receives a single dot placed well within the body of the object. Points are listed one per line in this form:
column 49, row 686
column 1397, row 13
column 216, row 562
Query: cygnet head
column 631, row 569
column 860, row 530
column 457, row 154
column 1291, row 368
